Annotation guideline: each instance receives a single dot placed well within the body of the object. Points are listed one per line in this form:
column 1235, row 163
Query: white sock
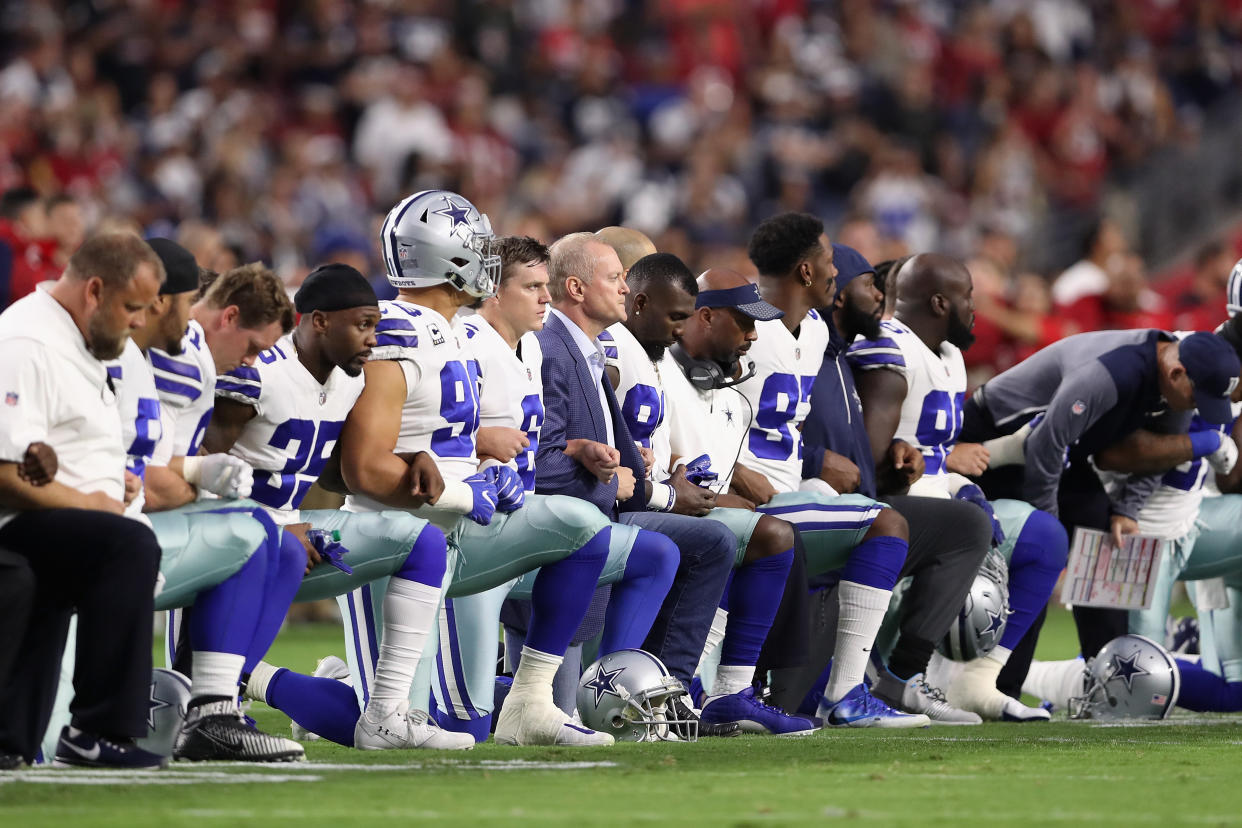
column 862, row 611
column 409, row 611
column 1055, row 681
column 215, row 674
column 715, row 635
column 260, row 677
column 534, row 675
column 731, row 679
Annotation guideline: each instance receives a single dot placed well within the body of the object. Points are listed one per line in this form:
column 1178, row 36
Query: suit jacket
column 572, row 412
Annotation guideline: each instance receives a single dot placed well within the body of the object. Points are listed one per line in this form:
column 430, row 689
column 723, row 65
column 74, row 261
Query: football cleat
column 753, row 716
column 76, row 749
column 917, row 696
column 530, row 722
column 216, row 731
column 407, row 729
column 680, row 712
column 1181, row 636
column 10, row 761
column 858, row 708
column 332, row 667
column 974, row 689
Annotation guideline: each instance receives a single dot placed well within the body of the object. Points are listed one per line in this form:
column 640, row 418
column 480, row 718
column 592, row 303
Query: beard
column 101, row 343
column 655, row 353
column 959, row 333
column 855, row 321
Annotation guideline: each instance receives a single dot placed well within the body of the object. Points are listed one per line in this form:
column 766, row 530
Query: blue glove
column 974, row 494
column 510, row 493
column 699, row 471
column 328, row 545
column 483, row 487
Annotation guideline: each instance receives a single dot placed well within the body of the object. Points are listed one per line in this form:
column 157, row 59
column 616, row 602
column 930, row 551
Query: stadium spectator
column 1196, row 299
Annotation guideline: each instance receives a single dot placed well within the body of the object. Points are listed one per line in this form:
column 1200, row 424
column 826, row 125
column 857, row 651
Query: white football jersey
column 511, row 387
column 296, row 425
column 186, row 384
column 780, row 395
column 139, row 407
column 931, row 415
column 640, row 393
column 712, row 422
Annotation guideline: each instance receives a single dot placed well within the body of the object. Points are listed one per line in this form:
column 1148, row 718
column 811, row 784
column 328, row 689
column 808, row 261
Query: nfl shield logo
column 323, row 397
column 10, row 398
column 529, row 376
column 1078, row 407
column 797, row 353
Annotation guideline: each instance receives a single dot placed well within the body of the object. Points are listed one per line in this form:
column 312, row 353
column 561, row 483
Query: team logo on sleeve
column 10, row 398
column 1078, row 407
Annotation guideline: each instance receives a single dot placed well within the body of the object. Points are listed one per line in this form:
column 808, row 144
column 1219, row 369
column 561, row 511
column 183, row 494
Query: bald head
column 935, row 297
column 630, row 244
column 719, row 278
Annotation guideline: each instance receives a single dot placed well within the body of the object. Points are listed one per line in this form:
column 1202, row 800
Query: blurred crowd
column 284, row 131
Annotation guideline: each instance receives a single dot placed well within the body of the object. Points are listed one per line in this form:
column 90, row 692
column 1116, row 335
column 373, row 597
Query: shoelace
column 935, row 693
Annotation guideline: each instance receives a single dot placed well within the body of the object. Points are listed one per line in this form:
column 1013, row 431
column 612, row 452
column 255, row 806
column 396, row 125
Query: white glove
column 220, row 474
column 1224, row 458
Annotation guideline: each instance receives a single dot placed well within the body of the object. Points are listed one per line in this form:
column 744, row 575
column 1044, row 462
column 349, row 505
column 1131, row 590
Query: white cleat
column 534, row 723
column 918, row 696
column 406, row 730
column 974, row 689
column 332, row 667
column 1015, row 711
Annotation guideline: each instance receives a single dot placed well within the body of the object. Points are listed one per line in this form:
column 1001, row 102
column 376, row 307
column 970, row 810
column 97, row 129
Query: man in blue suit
column 585, row 448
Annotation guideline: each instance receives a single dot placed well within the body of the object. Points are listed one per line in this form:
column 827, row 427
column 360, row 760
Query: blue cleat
column 753, row 716
column 858, row 708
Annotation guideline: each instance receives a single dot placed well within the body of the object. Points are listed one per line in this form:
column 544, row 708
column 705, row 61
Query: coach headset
column 705, row 375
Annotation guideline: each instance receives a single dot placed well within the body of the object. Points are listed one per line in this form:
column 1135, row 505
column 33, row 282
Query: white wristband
column 663, row 497
column 457, row 497
column 192, row 469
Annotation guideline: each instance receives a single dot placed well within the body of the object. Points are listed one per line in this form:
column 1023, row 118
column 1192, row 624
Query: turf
column 1059, row 773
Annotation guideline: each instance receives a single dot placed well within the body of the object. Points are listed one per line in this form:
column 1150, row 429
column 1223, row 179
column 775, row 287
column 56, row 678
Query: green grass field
column 1061, row 773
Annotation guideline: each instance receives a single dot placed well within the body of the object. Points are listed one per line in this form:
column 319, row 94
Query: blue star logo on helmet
column 458, row 213
column 996, row 622
column 1127, row 669
column 604, row 681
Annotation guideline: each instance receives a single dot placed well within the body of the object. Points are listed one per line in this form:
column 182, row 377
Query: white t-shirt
column 296, row 424
column 640, row 393
column 712, row 422
column 511, row 387
column 931, row 414
column 186, row 385
column 53, row 390
column 780, row 395
column 139, row 405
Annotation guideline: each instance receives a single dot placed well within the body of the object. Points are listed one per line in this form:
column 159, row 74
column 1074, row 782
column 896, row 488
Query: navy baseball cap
column 850, row 265
column 1213, row 367
column 744, row 298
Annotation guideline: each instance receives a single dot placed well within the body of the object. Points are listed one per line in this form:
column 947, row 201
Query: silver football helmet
column 981, row 621
column 435, row 237
column 1132, row 677
column 628, row 694
column 170, row 693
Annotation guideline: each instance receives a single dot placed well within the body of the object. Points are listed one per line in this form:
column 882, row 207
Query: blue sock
column 561, row 594
column 754, row 597
column 1205, row 692
column 876, row 562
column 286, row 563
column 225, row 615
column 724, row 596
column 637, row 597
column 1038, row 558
column 479, row 728
column 321, row 705
column 427, row 559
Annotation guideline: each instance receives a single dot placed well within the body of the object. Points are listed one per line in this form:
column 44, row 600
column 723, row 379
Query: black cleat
column 217, row 731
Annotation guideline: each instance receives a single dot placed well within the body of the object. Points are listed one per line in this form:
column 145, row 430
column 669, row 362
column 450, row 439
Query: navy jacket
column 572, row 412
column 835, row 421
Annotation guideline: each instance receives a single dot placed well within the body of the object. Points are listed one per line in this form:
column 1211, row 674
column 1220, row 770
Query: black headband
column 180, row 269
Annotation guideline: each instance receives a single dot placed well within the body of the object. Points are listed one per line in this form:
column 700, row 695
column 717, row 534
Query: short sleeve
column 24, row 401
column 243, row 384
column 873, row 354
